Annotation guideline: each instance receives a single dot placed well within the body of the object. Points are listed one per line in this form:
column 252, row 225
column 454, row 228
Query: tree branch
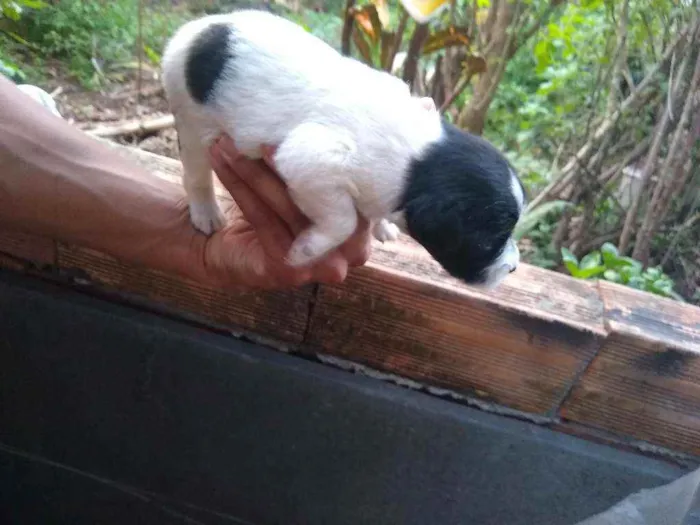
column 537, row 24
column 649, row 165
column 410, row 67
column 348, row 22
column 620, row 56
column 660, row 199
column 568, row 172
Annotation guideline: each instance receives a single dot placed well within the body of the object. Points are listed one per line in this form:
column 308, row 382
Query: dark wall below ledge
column 109, row 415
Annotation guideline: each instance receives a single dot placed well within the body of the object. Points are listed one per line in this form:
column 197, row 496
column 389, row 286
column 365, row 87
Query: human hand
column 249, row 252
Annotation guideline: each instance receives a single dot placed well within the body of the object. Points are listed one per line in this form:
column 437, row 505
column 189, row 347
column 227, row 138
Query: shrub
column 609, row 265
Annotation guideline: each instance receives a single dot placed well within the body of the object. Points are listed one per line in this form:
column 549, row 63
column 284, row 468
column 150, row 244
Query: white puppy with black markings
column 349, row 139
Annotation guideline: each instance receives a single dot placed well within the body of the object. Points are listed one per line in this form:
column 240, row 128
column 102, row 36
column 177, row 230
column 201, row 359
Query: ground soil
column 117, row 103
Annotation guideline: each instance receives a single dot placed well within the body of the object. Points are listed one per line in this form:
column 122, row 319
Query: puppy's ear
column 427, row 103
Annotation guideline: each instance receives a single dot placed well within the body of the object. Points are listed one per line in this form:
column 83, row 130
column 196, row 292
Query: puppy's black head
column 461, row 202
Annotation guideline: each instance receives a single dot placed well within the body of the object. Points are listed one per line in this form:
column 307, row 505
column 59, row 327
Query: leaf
column 630, row 271
column 449, row 37
column 620, row 262
column 633, row 263
column 11, row 10
column 367, row 19
column 151, row 54
column 590, row 271
column 11, row 71
column 609, row 253
column 34, row 4
column 612, row 276
column 382, row 7
column 533, row 217
column 661, row 285
column 591, row 260
column 542, row 55
column 654, row 273
column 423, row 11
column 636, row 282
column 362, row 46
column 570, row 261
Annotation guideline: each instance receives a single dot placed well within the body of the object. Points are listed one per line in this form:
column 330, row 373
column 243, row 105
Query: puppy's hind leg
column 313, row 161
column 334, row 220
column 205, row 213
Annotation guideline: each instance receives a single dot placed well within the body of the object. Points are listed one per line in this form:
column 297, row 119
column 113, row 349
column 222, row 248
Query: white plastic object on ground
column 41, row 96
column 677, row 503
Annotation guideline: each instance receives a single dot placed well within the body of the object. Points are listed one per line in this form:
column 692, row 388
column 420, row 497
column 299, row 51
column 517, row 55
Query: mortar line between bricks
column 313, row 299
column 554, row 412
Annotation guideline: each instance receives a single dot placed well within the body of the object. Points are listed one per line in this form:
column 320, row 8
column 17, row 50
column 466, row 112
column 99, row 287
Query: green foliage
column 325, row 25
column 609, row 265
column 548, row 87
column 97, row 39
column 542, row 252
column 551, row 86
column 538, row 226
column 12, row 71
column 534, row 217
column 13, row 9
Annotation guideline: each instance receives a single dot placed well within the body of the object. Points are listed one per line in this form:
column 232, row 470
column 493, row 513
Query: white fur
column 345, row 133
column 337, row 123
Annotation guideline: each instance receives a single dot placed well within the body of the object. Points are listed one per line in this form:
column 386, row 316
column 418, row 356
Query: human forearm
column 56, row 181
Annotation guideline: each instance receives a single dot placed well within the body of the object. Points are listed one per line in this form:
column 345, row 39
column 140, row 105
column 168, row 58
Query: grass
column 96, row 41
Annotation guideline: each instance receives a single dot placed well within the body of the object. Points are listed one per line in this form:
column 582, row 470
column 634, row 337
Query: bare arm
column 58, row 182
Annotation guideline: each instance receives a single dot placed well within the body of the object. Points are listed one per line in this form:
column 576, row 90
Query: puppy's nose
column 512, row 269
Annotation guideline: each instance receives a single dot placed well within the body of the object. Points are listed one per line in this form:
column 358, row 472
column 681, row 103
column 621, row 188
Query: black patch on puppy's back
column 459, row 204
column 207, row 58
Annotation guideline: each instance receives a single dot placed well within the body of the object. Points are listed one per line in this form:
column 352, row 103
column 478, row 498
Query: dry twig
column 139, row 127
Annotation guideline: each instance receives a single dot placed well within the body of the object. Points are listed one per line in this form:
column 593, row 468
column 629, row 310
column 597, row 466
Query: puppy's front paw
column 207, row 217
column 386, row 231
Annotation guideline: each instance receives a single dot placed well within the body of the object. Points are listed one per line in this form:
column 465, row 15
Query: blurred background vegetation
column 596, row 102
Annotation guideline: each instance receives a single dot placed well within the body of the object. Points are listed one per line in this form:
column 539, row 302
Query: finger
column 266, row 184
column 272, row 232
column 357, row 248
column 285, row 276
column 268, row 155
column 333, row 270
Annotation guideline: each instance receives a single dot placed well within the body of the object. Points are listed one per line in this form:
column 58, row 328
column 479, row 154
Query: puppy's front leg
column 205, row 213
column 384, row 230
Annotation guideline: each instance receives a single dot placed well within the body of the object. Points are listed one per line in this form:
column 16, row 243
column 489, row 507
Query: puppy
column 349, row 139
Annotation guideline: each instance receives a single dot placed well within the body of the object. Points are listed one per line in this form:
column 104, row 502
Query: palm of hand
column 249, row 252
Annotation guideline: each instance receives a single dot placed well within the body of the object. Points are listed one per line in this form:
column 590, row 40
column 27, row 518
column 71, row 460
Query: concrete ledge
column 600, row 356
column 115, row 416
